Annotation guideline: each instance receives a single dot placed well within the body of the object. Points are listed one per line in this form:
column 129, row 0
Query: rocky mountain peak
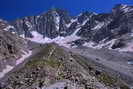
column 84, row 16
column 57, row 24
column 122, row 8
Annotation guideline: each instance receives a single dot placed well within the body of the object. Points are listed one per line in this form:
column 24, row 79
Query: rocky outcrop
column 11, row 45
column 51, row 24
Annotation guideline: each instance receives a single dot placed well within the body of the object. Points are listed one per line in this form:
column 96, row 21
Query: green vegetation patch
column 124, row 87
column 108, row 80
column 45, row 58
column 53, row 63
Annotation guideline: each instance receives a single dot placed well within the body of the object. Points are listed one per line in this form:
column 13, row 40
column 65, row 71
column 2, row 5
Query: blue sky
column 12, row 9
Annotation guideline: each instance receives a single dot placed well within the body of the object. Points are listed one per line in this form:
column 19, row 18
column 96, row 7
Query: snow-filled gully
column 9, row 68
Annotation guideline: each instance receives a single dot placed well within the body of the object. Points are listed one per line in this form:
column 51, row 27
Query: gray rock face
column 50, row 24
column 54, row 23
column 92, row 27
column 112, row 25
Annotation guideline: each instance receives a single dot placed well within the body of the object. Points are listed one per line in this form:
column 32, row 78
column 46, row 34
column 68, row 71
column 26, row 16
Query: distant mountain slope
column 112, row 30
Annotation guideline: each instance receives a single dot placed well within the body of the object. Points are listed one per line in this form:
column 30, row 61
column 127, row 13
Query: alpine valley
column 54, row 50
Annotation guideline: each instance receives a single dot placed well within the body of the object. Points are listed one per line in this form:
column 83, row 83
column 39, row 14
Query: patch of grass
column 35, row 63
column 38, row 59
column 53, row 63
column 107, row 80
column 42, row 58
column 45, row 50
column 124, row 87
column 42, row 62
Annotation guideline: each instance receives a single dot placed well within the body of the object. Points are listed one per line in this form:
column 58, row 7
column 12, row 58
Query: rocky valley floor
column 52, row 67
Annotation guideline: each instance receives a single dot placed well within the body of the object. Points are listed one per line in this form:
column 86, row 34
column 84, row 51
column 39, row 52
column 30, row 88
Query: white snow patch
column 36, row 34
column 9, row 68
column 26, row 55
column 89, row 44
column 63, row 32
column 28, row 24
column 108, row 44
column 8, row 27
column 13, row 32
column 123, row 6
column 60, row 85
column 79, row 27
column 39, row 40
column 128, row 48
column 37, row 37
column 80, row 14
column 56, row 19
column 76, row 31
column 68, row 25
column 22, row 35
column 63, row 41
column 72, row 21
column 38, row 16
column 95, row 13
column 57, row 22
column 98, row 26
column 85, row 22
column 6, row 70
column 126, row 8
